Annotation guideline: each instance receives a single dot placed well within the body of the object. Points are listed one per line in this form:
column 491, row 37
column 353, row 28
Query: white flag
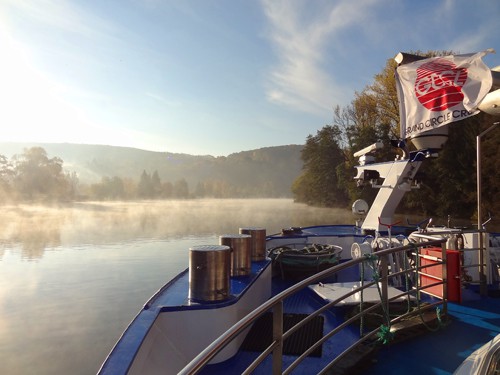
column 440, row 90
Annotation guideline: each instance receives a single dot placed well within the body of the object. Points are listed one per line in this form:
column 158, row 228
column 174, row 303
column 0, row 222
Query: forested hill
column 263, row 172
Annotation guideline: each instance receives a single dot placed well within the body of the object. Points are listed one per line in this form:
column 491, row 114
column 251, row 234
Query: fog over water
column 39, row 228
column 73, row 277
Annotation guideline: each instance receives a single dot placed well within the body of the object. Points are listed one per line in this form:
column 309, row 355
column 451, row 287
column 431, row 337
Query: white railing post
column 482, row 276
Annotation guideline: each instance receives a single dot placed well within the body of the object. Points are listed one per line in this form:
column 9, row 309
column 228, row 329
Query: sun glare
column 28, row 100
column 34, row 108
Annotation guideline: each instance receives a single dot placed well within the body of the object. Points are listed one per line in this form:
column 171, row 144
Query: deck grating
column 260, row 336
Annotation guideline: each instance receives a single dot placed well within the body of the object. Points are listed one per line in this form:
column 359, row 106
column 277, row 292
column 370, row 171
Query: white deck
column 332, row 291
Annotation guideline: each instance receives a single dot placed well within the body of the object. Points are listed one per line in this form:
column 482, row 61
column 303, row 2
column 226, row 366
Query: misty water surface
column 73, row 277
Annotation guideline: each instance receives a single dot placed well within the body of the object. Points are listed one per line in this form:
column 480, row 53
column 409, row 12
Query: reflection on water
column 72, row 278
column 33, row 229
column 36, row 228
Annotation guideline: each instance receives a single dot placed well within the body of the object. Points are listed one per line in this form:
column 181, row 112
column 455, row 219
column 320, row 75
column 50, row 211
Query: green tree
column 490, row 171
column 6, row 176
column 156, row 185
column 113, row 188
column 167, row 189
column 73, row 183
column 98, row 190
column 36, row 176
column 181, row 189
column 199, row 191
column 145, row 186
column 361, row 126
column 319, row 182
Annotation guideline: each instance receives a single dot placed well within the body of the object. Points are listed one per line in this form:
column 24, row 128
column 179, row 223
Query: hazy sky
column 209, row 76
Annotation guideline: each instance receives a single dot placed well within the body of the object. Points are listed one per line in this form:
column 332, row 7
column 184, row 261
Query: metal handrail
column 276, row 303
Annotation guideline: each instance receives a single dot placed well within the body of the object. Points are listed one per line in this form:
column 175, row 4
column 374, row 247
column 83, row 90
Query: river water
column 73, row 277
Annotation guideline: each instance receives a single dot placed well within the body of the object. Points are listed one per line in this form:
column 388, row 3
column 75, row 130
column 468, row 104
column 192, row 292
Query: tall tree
column 167, row 189
column 181, row 189
column 156, row 185
column 319, row 182
column 145, row 186
column 490, row 171
column 6, row 176
column 39, row 177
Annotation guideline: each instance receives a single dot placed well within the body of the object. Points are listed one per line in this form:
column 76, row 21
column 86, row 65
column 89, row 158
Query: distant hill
column 272, row 166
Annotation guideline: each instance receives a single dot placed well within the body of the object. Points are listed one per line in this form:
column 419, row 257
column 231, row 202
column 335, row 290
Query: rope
column 384, row 335
column 376, row 278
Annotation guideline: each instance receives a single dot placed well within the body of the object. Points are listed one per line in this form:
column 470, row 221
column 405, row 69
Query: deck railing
column 275, row 304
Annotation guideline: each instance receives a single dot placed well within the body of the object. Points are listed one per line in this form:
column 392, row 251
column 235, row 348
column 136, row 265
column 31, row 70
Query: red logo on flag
column 439, row 84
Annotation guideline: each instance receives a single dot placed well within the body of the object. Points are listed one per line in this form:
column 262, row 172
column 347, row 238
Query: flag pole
column 482, row 276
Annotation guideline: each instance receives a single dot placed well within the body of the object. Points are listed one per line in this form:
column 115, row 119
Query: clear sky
column 209, row 76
